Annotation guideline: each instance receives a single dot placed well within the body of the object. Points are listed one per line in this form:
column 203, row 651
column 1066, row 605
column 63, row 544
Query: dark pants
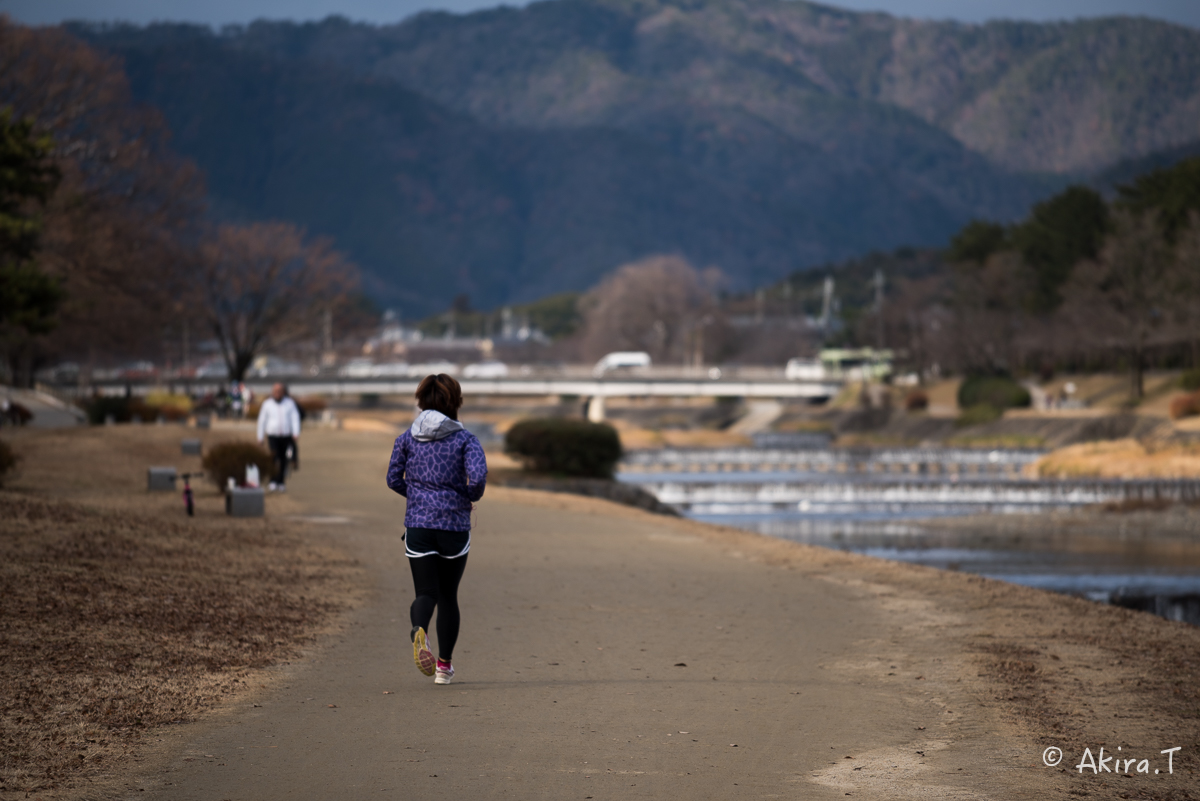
column 436, row 580
column 279, row 452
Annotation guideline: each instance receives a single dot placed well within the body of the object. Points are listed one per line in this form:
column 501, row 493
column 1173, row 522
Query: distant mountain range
column 513, row 153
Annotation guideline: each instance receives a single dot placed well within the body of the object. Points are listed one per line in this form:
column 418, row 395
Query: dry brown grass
column 125, row 616
column 1122, row 458
column 636, row 438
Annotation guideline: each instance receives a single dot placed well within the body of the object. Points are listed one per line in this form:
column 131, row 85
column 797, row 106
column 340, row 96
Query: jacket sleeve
column 263, row 411
column 475, row 464
column 294, row 417
column 395, row 473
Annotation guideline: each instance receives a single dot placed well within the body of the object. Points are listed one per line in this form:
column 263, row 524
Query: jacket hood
column 431, row 425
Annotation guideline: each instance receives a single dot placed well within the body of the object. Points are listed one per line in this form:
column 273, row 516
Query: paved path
column 605, row 656
column 48, row 411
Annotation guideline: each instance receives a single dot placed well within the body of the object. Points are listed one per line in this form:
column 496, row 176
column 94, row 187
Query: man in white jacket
column 279, row 424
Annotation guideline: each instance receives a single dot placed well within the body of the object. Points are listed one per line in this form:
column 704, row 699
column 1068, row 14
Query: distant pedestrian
column 235, row 400
column 279, row 424
column 440, row 468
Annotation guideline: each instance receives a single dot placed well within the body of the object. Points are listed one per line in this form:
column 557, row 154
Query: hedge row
column 229, row 460
column 998, row 391
column 565, row 446
column 8, row 460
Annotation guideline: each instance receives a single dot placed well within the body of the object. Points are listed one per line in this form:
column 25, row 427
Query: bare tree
column 119, row 228
column 919, row 325
column 1187, row 267
column 661, row 305
column 988, row 320
column 1125, row 298
column 263, row 285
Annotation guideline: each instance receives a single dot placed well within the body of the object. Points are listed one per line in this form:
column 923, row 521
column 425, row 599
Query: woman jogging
column 440, row 468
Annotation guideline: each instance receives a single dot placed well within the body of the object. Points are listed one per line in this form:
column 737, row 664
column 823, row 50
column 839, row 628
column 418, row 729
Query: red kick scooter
column 187, row 493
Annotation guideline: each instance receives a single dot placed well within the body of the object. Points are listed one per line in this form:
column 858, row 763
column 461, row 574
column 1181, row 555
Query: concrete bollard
column 160, row 478
column 245, row 502
column 190, row 447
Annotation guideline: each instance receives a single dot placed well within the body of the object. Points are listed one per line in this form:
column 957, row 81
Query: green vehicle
column 857, row 364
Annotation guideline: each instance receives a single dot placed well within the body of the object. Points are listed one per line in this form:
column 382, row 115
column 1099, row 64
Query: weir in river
column 873, row 501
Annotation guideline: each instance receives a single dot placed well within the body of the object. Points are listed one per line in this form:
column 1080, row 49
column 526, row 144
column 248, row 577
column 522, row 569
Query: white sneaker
column 444, row 673
column 272, row 487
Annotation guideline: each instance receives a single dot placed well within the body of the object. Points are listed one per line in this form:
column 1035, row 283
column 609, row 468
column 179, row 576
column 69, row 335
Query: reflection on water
column 878, row 503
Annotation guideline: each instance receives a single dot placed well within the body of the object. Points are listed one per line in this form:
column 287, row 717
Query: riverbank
column 607, row 651
column 1125, row 458
column 122, row 617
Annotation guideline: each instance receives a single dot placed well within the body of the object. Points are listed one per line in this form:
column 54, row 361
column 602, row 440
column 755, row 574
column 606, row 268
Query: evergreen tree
column 1060, row 233
column 1173, row 193
column 29, row 298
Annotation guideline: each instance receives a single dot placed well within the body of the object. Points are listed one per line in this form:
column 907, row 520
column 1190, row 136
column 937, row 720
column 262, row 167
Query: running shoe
column 422, row 656
column 445, row 672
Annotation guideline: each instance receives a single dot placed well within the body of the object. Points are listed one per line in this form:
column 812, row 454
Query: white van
column 621, row 359
column 491, row 369
column 805, row 370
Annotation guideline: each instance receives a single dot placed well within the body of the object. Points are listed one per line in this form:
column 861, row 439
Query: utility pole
column 328, row 357
column 826, row 306
column 879, row 309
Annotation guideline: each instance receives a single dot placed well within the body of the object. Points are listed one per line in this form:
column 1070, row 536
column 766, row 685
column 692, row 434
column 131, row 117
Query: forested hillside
column 513, row 153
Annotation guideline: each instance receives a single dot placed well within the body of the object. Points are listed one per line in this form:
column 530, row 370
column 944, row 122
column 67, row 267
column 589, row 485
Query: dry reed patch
column 115, row 622
column 1122, row 458
column 634, row 437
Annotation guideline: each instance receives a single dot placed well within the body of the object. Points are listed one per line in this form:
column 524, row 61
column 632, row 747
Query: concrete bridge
column 624, row 386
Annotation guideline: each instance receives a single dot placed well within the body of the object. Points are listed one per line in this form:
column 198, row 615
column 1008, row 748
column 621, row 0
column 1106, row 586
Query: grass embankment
column 120, row 614
column 1122, row 458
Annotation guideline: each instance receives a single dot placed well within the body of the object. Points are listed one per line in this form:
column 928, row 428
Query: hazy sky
column 219, row 12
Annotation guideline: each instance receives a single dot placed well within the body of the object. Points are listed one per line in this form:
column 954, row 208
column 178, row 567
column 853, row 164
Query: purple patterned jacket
column 440, row 468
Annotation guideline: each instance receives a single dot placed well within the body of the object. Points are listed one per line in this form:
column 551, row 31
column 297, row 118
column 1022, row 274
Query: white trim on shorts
column 411, row 554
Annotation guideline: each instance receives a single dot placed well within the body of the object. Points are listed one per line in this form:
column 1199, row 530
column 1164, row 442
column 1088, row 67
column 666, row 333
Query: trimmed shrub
column 172, row 408
column 1190, row 380
column 229, row 460
column 998, row 391
column 101, row 406
column 311, row 404
column 149, row 412
column 165, row 401
column 565, row 446
column 978, row 414
column 8, row 460
column 916, row 401
column 1185, row 406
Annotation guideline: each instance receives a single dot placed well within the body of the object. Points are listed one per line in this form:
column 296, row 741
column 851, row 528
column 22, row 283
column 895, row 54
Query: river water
column 881, row 502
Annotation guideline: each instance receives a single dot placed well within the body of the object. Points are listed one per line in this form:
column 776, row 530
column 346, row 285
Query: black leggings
column 279, row 449
column 436, row 580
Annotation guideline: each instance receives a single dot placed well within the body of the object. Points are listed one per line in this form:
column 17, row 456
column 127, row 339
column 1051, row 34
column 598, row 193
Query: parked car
column 492, row 369
column 431, row 368
column 356, row 368
column 622, row 359
column 390, row 370
column 805, row 370
column 137, row 370
column 213, row 368
column 268, row 366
